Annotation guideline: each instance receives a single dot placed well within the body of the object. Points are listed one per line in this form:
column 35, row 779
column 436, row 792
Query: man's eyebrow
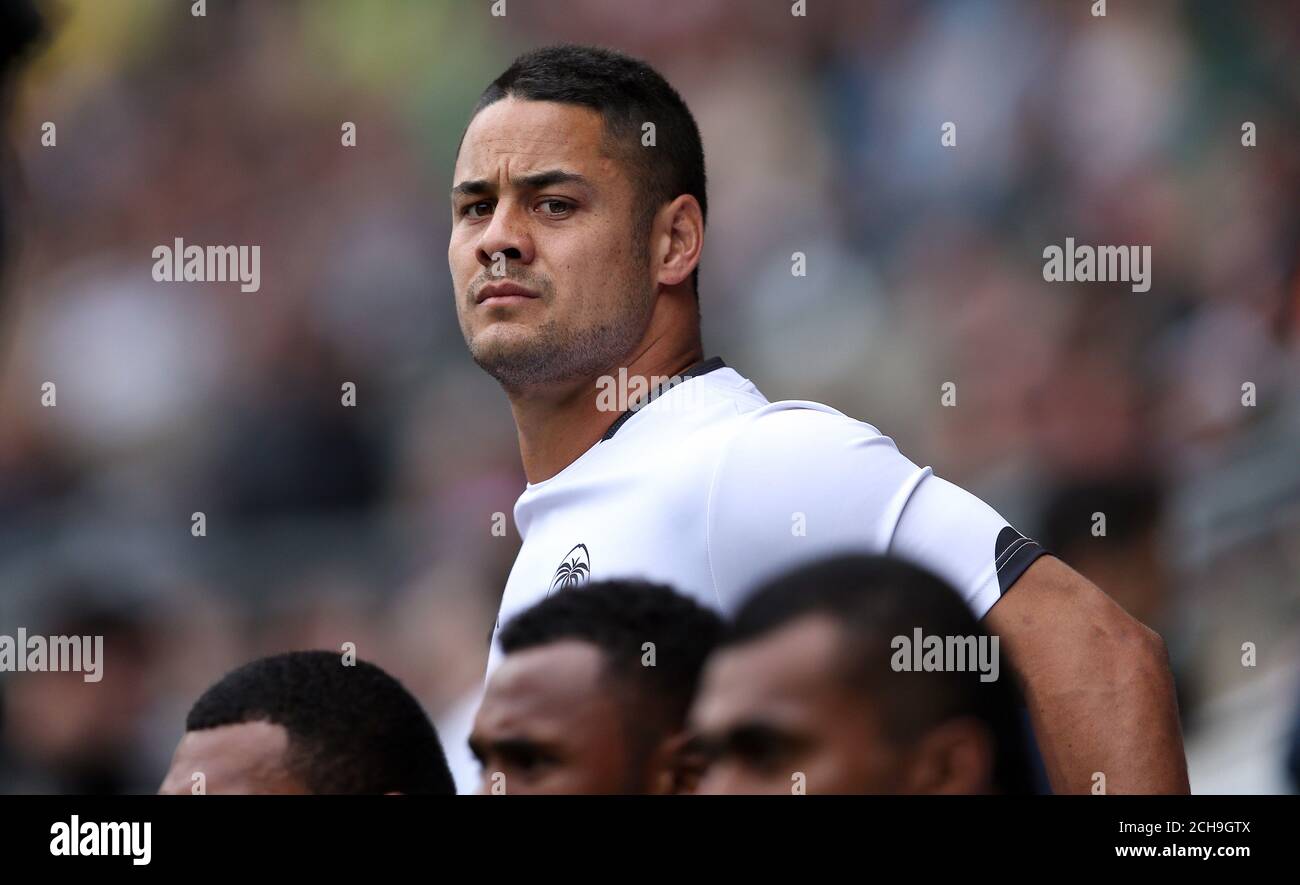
column 520, row 747
column 750, row 735
column 539, row 180
column 474, row 188
column 535, row 181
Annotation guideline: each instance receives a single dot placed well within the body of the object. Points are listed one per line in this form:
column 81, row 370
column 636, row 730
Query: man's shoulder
column 700, row 413
column 734, row 433
column 799, row 429
column 799, row 480
column 801, row 456
column 723, row 385
column 743, row 416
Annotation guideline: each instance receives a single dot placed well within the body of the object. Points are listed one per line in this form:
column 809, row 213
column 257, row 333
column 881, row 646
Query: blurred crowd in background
column 373, row 524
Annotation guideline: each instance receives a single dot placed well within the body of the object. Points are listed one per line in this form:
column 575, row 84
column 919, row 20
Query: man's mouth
column 504, row 293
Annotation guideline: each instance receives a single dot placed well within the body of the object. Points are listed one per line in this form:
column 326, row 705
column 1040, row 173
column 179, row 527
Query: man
column 814, row 690
column 592, row 694
column 304, row 722
column 574, row 251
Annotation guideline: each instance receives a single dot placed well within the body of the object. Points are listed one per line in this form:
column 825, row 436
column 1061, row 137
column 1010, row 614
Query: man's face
column 244, row 759
column 551, row 270
column 776, row 708
column 550, row 723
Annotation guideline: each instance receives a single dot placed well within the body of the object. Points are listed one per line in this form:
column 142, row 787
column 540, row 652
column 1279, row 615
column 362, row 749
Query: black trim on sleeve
column 1013, row 553
column 701, row 368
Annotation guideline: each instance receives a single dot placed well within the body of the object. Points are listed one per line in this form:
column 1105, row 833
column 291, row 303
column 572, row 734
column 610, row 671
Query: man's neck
column 556, row 426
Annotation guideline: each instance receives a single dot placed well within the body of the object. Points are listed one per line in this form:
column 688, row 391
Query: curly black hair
column 352, row 729
column 619, row 618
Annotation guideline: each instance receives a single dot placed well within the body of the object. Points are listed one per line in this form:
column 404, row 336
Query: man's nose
column 505, row 238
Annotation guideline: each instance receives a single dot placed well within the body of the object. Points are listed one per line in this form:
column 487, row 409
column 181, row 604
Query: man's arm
column 1097, row 683
column 801, row 483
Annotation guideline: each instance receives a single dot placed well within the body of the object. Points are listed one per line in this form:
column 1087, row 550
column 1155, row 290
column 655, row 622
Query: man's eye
column 527, row 762
column 762, row 755
column 472, row 210
column 556, row 207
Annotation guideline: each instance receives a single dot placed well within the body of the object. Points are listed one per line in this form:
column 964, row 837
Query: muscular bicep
column 1096, row 681
column 1053, row 608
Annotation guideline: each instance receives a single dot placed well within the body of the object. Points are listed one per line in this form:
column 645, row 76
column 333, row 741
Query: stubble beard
column 552, row 354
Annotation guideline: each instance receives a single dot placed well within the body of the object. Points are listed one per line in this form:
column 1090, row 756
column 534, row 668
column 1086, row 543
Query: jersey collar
column 703, row 367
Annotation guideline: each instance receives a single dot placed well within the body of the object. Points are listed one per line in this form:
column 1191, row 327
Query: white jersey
column 711, row 489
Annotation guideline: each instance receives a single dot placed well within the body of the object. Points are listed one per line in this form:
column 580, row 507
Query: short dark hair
column 627, row 93
column 618, row 617
column 872, row 599
column 352, row 729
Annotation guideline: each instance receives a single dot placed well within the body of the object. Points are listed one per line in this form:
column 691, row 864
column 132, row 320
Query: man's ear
column 678, row 240
column 954, row 758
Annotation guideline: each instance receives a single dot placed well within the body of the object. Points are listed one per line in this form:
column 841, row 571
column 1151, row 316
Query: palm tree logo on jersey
column 574, row 571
